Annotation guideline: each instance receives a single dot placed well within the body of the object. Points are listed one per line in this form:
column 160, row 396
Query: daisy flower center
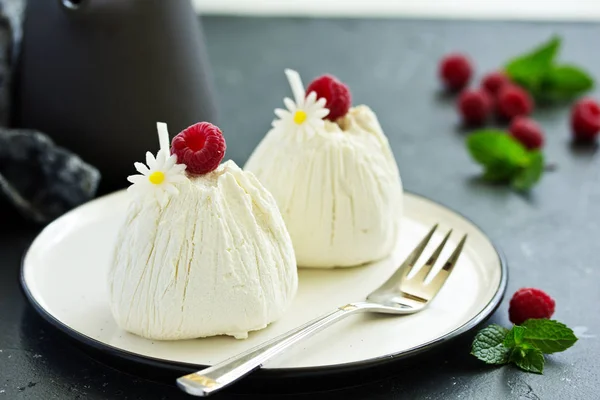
column 300, row 116
column 157, row 177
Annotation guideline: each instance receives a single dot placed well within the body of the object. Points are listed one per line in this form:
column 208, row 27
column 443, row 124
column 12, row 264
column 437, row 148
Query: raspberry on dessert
column 201, row 147
column 529, row 303
column 585, row 119
column 527, row 131
column 514, row 101
column 335, row 92
column 494, row 81
column 455, row 71
column 474, row 106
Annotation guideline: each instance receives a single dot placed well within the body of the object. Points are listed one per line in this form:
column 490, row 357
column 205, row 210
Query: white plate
column 64, row 276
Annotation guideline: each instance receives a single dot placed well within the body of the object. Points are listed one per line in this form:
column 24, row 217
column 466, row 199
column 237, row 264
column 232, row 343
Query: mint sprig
column 547, row 335
column 528, row 359
column 531, row 174
column 530, row 69
column 523, row 345
column 514, row 337
column 538, row 72
column 505, row 159
column 564, row 82
column 488, row 345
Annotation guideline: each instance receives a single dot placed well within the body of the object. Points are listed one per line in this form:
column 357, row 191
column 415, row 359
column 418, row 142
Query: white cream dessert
column 336, row 182
column 200, row 254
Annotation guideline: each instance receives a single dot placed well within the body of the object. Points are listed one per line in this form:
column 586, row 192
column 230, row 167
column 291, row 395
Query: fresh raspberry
column 528, row 132
column 494, row 81
column 474, row 106
column 585, row 119
column 335, row 92
column 455, row 71
column 201, row 147
column 514, row 101
column 529, row 303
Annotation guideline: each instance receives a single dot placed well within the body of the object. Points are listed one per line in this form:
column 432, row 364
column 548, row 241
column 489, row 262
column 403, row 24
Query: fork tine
column 416, row 253
column 444, row 273
column 449, row 265
column 426, row 269
column 408, row 263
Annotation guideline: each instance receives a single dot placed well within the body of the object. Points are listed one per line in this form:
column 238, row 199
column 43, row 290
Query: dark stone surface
column 40, row 179
column 549, row 236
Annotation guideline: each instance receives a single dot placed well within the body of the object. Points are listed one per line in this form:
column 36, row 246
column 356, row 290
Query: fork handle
column 215, row 378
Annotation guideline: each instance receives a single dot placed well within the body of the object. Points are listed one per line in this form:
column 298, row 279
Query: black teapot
column 96, row 76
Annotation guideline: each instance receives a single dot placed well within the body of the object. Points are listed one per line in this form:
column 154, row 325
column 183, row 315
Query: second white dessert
column 337, row 186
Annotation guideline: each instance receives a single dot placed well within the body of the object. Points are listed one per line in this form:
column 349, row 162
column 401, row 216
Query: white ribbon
column 163, row 138
column 296, row 85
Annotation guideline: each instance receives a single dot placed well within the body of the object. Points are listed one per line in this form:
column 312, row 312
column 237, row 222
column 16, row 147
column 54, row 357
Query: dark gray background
column 549, row 236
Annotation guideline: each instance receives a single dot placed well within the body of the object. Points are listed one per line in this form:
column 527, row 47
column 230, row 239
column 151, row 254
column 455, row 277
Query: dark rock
column 40, row 179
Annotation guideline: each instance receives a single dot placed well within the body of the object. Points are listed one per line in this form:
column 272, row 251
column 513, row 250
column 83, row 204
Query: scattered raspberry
column 494, row 81
column 529, row 303
column 335, row 92
column 514, row 101
column 201, row 147
column 455, row 71
column 528, row 132
column 474, row 106
column 585, row 119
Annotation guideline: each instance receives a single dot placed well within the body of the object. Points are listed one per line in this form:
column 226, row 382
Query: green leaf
column 528, row 359
column 565, row 82
column 531, row 174
column 514, row 338
column 488, row 345
column 529, row 69
column 499, row 172
column 497, row 151
column 548, row 336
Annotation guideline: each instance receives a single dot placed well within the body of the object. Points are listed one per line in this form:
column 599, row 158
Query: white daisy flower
column 157, row 178
column 305, row 114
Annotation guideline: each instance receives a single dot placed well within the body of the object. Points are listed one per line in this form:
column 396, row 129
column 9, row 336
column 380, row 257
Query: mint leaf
column 537, row 72
column 565, row 82
column 531, row 174
column 547, row 335
column 497, row 151
column 528, row 359
column 488, row 345
column 514, row 338
column 530, row 69
column 524, row 345
column 505, row 159
column 499, row 172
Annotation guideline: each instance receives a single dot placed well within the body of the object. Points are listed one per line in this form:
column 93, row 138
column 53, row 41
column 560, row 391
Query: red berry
column 201, row 147
column 474, row 106
column 455, row 71
column 529, row 303
column 514, row 101
column 494, row 81
column 528, row 132
column 585, row 119
column 335, row 92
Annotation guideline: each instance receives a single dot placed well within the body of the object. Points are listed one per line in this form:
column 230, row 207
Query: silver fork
column 400, row 294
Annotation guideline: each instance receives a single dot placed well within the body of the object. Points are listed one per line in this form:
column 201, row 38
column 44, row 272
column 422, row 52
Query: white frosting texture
column 216, row 259
column 338, row 189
